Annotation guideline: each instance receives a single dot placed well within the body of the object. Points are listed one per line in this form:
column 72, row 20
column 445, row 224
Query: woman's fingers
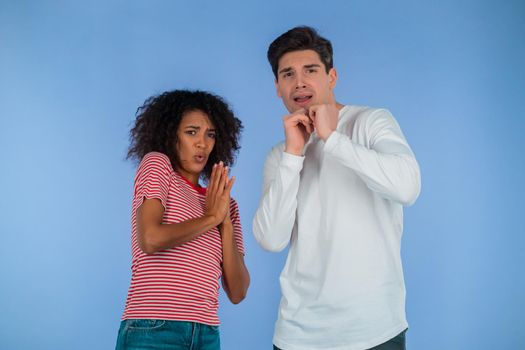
column 218, row 193
column 210, row 191
column 211, row 182
column 223, row 180
column 229, row 185
column 216, row 177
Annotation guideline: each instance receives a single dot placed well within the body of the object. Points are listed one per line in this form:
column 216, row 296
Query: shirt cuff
column 332, row 141
column 292, row 161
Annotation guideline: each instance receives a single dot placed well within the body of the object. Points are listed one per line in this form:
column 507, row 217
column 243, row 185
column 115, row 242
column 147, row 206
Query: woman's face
column 196, row 139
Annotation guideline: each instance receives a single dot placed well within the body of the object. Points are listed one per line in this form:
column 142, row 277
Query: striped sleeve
column 237, row 228
column 152, row 179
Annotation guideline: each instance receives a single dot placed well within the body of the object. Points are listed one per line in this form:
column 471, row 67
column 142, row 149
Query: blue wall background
column 73, row 73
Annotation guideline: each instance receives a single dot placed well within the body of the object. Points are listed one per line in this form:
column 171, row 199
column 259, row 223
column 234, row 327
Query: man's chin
column 305, row 105
column 296, row 108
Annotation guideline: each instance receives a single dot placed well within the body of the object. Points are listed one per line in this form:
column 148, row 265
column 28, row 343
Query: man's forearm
column 395, row 176
column 275, row 217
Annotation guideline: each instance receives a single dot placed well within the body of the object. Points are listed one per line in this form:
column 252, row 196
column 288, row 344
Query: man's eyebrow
column 313, row 65
column 285, row 70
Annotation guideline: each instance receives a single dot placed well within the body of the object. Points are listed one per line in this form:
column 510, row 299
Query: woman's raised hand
column 218, row 194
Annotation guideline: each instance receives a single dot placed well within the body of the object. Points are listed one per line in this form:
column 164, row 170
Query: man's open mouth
column 302, row 98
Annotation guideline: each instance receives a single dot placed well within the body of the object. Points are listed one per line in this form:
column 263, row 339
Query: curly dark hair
column 158, row 120
column 300, row 38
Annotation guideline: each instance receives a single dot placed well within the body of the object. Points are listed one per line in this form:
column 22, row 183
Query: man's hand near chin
column 324, row 118
column 297, row 129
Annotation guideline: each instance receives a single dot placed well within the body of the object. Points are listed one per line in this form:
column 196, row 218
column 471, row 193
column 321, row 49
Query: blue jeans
column 173, row 335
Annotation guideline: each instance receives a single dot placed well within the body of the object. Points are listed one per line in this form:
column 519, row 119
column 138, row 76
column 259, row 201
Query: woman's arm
column 235, row 276
column 154, row 236
column 151, row 191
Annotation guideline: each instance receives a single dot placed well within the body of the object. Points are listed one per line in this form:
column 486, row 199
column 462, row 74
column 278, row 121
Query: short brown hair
column 300, row 38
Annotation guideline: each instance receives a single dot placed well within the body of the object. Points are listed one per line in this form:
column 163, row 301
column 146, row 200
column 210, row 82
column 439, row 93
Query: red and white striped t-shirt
column 180, row 283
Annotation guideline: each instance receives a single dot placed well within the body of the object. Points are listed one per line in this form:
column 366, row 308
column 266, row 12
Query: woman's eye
column 190, row 132
column 212, row 135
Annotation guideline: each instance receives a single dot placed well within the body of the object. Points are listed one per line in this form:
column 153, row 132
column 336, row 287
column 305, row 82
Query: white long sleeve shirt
column 340, row 207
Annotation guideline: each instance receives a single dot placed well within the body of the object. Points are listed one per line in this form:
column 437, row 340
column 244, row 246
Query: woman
column 184, row 237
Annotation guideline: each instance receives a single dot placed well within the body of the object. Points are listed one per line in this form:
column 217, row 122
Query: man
column 334, row 190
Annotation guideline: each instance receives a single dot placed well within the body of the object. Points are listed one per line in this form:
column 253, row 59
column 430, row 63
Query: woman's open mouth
column 199, row 158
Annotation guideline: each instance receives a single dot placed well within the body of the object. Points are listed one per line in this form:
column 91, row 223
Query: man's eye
column 287, row 74
column 311, row 70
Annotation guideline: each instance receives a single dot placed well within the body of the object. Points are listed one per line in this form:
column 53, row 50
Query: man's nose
column 299, row 83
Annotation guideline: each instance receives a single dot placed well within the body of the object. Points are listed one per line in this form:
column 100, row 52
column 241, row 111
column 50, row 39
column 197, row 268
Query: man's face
column 302, row 80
